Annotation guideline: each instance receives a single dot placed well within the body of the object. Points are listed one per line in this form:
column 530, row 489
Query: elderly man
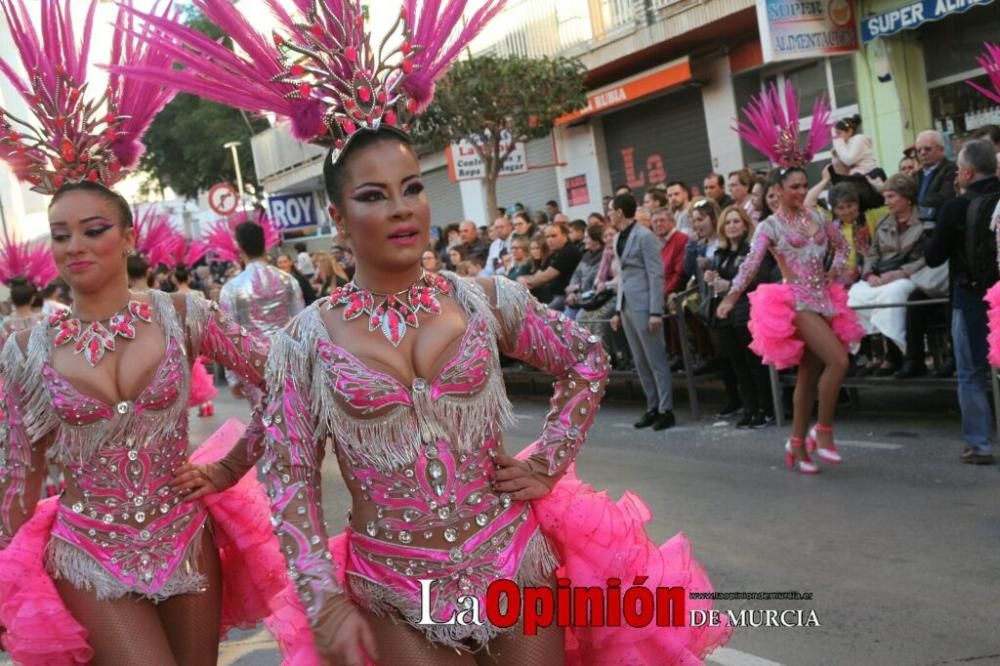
column 472, row 244
column 963, row 221
column 503, row 232
column 936, row 178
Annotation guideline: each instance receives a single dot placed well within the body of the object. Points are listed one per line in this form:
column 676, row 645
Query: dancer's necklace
column 391, row 313
column 92, row 338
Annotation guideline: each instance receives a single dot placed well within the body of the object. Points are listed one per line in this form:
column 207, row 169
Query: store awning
column 632, row 89
column 913, row 15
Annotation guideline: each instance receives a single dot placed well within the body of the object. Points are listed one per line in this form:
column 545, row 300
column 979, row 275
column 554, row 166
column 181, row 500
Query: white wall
column 720, row 113
column 578, row 154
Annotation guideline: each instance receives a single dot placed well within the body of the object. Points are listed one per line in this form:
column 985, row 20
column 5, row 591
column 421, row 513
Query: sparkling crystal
column 573, row 432
column 505, row 500
column 410, row 515
column 408, row 473
column 481, row 519
column 371, row 528
column 107, row 519
column 428, row 534
column 408, row 571
column 595, row 387
column 92, row 532
column 443, row 512
column 405, row 537
column 164, row 508
column 133, row 455
column 145, row 535
column 451, row 535
column 140, row 517
column 435, row 470
column 431, row 451
column 456, row 554
column 419, row 385
column 78, row 507
column 138, row 501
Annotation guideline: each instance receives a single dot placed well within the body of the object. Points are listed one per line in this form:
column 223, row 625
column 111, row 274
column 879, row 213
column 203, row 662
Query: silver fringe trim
column 67, row 562
column 513, row 300
column 535, row 568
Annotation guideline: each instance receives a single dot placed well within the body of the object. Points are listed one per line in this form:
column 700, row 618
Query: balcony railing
column 536, row 28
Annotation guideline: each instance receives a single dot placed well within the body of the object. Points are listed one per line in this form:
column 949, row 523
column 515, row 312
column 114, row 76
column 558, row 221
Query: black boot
column 911, row 369
column 648, row 419
column 664, row 420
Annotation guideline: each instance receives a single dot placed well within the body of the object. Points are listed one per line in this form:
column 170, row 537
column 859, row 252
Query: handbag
column 932, row 281
column 884, row 266
column 593, row 300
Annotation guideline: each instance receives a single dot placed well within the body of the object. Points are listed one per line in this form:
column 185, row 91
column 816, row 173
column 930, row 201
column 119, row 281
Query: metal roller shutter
column 444, row 196
column 536, row 186
column 660, row 140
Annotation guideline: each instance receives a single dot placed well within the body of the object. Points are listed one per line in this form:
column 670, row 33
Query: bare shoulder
column 22, row 338
column 489, row 286
column 179, row 301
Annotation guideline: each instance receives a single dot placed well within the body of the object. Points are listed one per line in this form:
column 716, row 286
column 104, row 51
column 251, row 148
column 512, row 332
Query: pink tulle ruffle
column 992, row 299
column 772, row 323
column 202, row 384
column 41, row 631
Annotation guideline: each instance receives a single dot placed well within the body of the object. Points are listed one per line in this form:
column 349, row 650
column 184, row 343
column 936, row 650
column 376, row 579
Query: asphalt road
column 898, row 546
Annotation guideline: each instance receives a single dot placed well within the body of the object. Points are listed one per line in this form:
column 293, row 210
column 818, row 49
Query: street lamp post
column 233, row 145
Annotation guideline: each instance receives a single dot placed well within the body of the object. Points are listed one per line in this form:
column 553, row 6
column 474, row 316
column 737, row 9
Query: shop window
column 845, row 92
column 811, row 82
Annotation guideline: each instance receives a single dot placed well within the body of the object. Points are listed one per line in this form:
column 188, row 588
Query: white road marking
column 868, row 445
column 731, row 657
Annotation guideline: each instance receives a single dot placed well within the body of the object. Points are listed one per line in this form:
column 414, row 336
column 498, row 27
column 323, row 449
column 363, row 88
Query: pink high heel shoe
column 805, row 466
column 830, row 455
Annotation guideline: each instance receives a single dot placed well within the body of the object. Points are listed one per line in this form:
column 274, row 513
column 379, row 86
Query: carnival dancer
column 804, row 320
column 26, row 268
column 990, row 61
column 261, row 298
column 400, row 370
column 118, row 570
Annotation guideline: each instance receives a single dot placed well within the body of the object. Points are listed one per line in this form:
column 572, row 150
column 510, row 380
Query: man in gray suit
column 639, row 309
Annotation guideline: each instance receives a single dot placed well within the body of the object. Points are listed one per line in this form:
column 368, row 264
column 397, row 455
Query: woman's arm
column 546, row 340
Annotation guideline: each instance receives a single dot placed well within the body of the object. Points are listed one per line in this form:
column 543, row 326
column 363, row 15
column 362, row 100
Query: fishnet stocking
column 399, row 644
column 183, row 630
column 514, row 648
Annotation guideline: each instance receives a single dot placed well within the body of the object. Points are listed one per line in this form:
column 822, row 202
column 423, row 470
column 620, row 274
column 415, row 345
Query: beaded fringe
column 536, row 567
column 67, row 562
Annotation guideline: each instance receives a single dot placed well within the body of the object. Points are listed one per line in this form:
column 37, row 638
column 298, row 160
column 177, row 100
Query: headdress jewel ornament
column 772, row 127
column 319, row 69
column 76, row 136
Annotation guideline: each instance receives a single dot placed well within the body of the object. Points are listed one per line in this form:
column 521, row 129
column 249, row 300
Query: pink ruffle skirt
column 772, row 323
column 202, row 384
column 595, row 538
column 992, row 299
column 42, row 632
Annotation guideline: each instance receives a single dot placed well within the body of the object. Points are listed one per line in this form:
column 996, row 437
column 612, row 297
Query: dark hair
column 745, row 176
column 599, row 216
column 783, row 173
column 22, row 292
column 552, row 202
column 579, row 225
column 719, row 180
column 109, row 195
column 335, row 174
column 596, row 233
column 991, row 132
column 681, row 184
column 182, row 274
column 658, row 196
column 849, row 124
column 250, row 238
column 626, row 204
column 625, row 187
column 708, row 206
column 301, row 247
column 136, row 266
column 543, row 217
column 843, row 193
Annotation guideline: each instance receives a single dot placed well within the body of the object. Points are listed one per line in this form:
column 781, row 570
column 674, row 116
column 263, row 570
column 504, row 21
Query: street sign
column 223, row 199
column 293, row 214
column 464, row 162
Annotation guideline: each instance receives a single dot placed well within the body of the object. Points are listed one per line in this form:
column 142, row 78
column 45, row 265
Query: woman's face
column 735, row 228
column 521, row 226
column 518, row 252
column 89, row 243
column 454, row 256
column 908, row 166
column 609, row 235
column 284, row 263
column 702, row 224
column 844, row 134
column 536, row 251
column 757, row 196
column 847, row 211
column 591, row 244
column 794, row 188
column 895, row 203
column 385, row 211
column 773, row 197
column 429, row 261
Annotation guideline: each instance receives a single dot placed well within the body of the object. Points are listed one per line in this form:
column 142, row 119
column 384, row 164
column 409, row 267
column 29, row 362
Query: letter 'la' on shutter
column 672, row 127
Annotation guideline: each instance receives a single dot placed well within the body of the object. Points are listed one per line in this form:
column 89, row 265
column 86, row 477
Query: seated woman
column 896, row 253
column 581, row 283
column 518, row 262
column 538, row 250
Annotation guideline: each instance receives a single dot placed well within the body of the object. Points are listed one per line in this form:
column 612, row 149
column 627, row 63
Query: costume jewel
column 75, row 136
column 319, row 69
column 93, row 339
column 396, row 311
column 772, row 126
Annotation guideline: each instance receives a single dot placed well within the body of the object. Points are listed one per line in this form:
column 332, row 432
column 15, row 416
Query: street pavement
column 898, row 546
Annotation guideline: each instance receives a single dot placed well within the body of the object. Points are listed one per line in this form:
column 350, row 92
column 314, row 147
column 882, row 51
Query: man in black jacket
column 936, row 178
column 977, row 165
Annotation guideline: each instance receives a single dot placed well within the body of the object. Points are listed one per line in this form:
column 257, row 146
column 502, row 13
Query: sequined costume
column 120, row 528
column 263, row 299
column 419, row 457
column 12, row 325
column 801, row 261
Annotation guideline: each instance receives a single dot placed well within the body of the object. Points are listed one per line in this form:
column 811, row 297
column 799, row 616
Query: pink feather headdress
column 990, row 61
column 155, row 237
column 320, row 70
column 31, row 260
column 220, row 236
column 76, row 136
column 772, row 127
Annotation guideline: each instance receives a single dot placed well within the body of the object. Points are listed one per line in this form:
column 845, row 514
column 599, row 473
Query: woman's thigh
column 399, row 644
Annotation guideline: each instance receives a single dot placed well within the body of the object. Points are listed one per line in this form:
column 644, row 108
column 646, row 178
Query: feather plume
column 75, row 136
column 220, row 237
column 156, row 238
column 31, row 260
column 990, row 61
column 772, row 126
